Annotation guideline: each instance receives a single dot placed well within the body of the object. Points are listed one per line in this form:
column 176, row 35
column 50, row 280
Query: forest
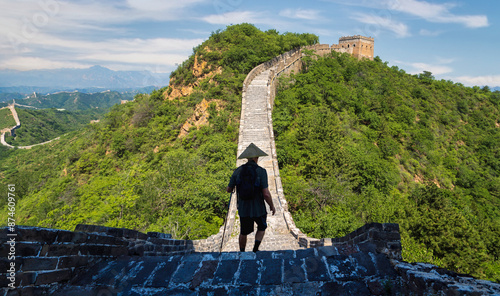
column 360, row 142
column 357, row 141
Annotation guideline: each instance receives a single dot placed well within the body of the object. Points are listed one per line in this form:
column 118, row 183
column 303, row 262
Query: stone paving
column 315, row 271
column 256, row 128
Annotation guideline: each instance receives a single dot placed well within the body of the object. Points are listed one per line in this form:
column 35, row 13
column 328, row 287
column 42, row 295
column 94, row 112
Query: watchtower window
column 354, row 45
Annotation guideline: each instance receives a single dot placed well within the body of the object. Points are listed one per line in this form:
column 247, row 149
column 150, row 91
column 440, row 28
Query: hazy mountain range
column 96, row 77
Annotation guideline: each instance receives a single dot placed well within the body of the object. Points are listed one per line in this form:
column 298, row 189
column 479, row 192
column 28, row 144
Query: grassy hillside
column 39, row 126
column 361, row 142
column 160, row 163
column 6, row 119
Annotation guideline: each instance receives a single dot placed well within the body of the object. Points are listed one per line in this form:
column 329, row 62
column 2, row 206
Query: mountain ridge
column 71, row 78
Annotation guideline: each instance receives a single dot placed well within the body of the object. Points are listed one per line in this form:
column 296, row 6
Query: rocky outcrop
column 201, row 71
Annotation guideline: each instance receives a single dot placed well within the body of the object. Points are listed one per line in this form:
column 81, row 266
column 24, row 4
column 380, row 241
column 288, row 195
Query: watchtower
column 359, row 46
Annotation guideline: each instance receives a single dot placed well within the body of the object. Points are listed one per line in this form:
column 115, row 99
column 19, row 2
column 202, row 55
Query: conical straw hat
column 251, row 152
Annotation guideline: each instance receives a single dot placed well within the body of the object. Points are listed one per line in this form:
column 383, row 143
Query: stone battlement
column 98, row 260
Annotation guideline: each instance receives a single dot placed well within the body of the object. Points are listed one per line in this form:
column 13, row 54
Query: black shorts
column 246, row 224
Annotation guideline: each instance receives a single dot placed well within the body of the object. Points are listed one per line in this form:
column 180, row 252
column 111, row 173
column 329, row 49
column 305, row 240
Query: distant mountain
column 495, row 88
column 70, row 79
column 77, row 100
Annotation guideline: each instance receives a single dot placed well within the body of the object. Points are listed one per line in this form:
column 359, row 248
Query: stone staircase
column 256, row 127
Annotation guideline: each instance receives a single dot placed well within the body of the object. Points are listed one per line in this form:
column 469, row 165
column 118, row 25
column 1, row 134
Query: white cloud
column 377, row 22
column 135, row 53
column 490, row 80
column 431, row 12
column 36, row 63
column 233, row 17
column 433, row 68
column 438, row 68
column 160, row 5
column 437, row 13
column 304, row 14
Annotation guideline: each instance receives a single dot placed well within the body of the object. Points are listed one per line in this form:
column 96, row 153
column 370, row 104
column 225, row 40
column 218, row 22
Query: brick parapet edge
column 46, row 256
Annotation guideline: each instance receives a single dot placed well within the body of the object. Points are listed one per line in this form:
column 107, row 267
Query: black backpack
column 248, row 185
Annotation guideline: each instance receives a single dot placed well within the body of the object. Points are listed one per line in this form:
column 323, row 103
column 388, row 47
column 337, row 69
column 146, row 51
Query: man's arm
column 269, row 199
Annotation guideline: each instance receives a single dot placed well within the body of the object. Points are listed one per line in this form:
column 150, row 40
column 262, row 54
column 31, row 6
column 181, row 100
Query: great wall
column 97, row 260
column 12, row 130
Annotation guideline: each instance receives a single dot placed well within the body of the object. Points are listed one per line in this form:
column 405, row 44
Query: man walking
column 252, row 189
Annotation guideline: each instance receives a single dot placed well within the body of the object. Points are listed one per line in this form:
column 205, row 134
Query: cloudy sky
column 454, row 39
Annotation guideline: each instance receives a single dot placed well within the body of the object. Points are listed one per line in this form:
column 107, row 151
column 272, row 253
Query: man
column 253, row 210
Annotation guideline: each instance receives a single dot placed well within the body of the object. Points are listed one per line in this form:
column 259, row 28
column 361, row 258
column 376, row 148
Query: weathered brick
column 37, row 263
column 72, row 261
column 283, row 254
column 186, row 272
column 367, row 247
column 385, row 236
column 159, row 235
column 293, row 271
column 249, row 271
column 117, row 251
column 243, row 290
column 316, row 269
column 70, row 236
column 271, row 272
column 306, row 289
column 26, row 278
column 205, row 273
column 264, row 255
column 226, row 271
column 164, row 272
column 99, row 250
column 365, row 265
column 384, row 266
column 357, row 288
column 36, row 234
column 29, row 291
column 138, row 250
column 391, row 227
column 341, row 268
column 5, row 263
column 50, row 277
column 333, row 289
column 160, row 241
column 299, row 254
column 374, row 225
column 212, row 291
column 327, row 251
column 28, row 249
column 44, row 250
column 62, row 250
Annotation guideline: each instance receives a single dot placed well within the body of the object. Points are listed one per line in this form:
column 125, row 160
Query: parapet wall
column 45, row 256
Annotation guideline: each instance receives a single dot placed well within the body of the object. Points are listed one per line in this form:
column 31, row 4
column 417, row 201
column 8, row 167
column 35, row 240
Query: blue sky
column 457, row 40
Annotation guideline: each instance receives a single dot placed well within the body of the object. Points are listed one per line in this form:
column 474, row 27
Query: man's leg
column 260, row 235
column 261, row 230
column 243, row 242
column 258, row 239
